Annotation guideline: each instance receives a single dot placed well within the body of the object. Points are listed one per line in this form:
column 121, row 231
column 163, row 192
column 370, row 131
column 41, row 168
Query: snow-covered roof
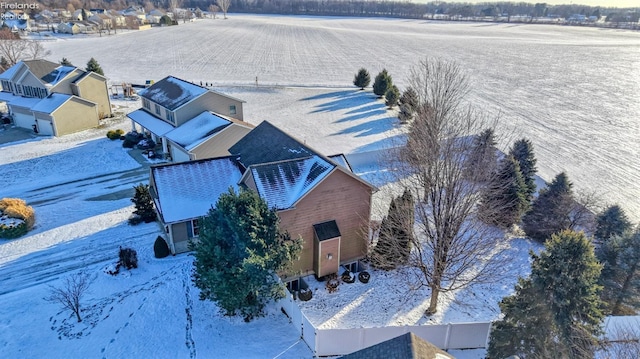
column 151, row 123
column 8, row 73
column 282, row 184
column 172, row 92
column 196, row 130
column 188, row 190
column 57, row 75
column 26, row 102
column 341, row 159
column 51, row 103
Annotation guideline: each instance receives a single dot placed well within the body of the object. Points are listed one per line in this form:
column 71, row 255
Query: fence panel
column 293, row 311
column 468, row 335
column 330, row 342
column 309, row 334
column 434, row 334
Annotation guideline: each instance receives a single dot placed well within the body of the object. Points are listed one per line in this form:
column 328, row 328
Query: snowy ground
column 80, row 185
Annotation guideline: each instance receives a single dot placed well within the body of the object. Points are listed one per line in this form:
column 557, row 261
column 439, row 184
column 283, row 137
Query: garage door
column 23, row 120
column 44, row 127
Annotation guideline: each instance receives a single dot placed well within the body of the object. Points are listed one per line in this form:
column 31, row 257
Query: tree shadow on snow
column 341, row 100
column 369, row 128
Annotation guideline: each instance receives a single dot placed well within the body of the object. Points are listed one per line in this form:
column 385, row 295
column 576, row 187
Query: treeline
column 398, row 9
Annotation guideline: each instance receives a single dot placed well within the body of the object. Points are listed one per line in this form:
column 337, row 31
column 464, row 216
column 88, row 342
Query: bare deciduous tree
column 14, row 49
column 452, row 247
column 213, row 9
column 224, row 6
column 72, row 291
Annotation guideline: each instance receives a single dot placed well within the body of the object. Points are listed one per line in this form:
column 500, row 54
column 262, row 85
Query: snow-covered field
column 572, row 91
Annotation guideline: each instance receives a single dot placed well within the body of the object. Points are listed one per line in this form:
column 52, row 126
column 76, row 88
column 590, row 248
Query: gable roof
column 57, row 75
column 326, row 230
column 266, row 143
column 406, row 346
column 187, row 190
column 172, row 92
column 40, row 68
column 283, row 184
column 196, row 130
column 51, row 103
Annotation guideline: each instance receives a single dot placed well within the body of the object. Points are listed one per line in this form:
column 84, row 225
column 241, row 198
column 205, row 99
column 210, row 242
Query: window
column 19, row 87
column 170, row 117
column 232, row 109
column 157, row 109
column 146, row 104
column 193, row 228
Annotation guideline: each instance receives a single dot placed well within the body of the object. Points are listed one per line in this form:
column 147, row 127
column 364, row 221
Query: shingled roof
column 282, row 184
column 406, row 346
column 172, row 92
column 266, row 143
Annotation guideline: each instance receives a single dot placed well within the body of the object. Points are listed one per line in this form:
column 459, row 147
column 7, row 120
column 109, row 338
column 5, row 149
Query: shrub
column 115, row 134
column 128, row 258
column 17, row 217
column 131, row 139
column 160, row 248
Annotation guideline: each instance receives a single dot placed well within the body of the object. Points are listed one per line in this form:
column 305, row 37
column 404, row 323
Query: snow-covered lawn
column 79, row 185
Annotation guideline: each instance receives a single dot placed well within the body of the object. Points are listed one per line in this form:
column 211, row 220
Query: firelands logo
column 18, row 6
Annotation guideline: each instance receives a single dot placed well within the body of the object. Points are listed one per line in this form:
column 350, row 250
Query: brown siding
column 75, row 116
column 338, row 197
column 326, row 265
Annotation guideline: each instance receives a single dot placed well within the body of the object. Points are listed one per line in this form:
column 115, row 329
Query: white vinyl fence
column 332, row 342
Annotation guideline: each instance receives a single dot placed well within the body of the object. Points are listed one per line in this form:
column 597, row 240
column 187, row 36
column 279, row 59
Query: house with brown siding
column 53, row 99
column 316, row 197
column 172, row 103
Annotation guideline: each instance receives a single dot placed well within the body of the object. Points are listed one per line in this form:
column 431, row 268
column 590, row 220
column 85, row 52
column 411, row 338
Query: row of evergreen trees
column 383, row 87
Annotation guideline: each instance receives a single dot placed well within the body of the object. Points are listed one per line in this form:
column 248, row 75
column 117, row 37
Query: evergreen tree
column 239, row 252
column 382, row 83
column 620, row 257
column 396, row 233
column 65, row 62
column 391, row 96
column 362, row 78
column 522, row 151
column 483, row 159
column 410, row 99
column 551, row 211
column 611, row 222
column 144, row 204
column 4, row 64
column 556, row 312
column 504, row 201
column 93, row 65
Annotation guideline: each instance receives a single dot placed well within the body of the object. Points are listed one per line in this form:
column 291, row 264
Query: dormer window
column 146, row 104
column 170, row 117
column 157, row 109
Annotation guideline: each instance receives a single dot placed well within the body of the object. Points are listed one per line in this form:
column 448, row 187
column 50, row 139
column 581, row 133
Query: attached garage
column 22, row 117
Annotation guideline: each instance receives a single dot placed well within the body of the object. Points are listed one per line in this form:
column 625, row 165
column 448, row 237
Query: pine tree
column 396, row 233
column 382, row 83
column 93, row 65
column 4, row 64
column 391, row 96
column 144, row 204
column 611, row 222
column 362, row 79
column 504, row 201
column 239, row 252
column 483, row 159
column 65, row 62
column 620, row 257
column 410, row 99
column 556, row 312
column 551, row 211
column 522, row 151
